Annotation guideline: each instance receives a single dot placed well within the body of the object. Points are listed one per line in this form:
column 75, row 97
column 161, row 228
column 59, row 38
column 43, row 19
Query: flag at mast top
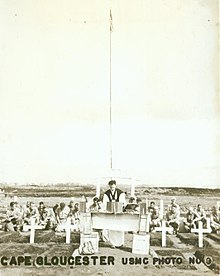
column 110, row 19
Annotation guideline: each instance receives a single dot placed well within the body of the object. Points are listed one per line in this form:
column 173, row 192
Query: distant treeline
column 76, row 189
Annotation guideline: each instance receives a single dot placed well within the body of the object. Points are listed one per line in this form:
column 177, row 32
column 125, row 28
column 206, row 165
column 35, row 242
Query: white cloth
column 116, row 238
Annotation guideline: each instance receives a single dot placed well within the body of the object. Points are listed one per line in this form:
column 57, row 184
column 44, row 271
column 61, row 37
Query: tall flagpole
column 110, row 87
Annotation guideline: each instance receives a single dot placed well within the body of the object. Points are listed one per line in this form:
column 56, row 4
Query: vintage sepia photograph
column 109, row 137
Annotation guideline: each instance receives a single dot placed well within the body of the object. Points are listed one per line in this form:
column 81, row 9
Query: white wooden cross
column 163, row 229
column 32, row 227
column 200, row 231
column 67, row 228
column 161, row 209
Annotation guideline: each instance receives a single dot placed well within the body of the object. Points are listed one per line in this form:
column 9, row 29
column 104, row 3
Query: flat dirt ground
column 61, row 249
column 49, row 243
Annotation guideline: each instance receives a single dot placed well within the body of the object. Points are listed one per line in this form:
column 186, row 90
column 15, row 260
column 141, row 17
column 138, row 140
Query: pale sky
column 54, row 91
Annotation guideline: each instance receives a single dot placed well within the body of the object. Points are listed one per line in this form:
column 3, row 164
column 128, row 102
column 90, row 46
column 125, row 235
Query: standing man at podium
column 113, row 194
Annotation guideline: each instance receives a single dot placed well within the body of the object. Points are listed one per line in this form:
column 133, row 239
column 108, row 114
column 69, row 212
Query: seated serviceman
column 132, row 206
column 173, row 219
column 51, row 217
column 189, row 221
column 46, row 217
column 173, row 203
column 155, row 220
column 71, row 209
column 31, row 212
column 42, row 212
column 62, row 214
column 55, row 208
column 96, row 205
column 113, row 194
column 215, row 220
column 201, row 216
column 13, row 218
column 25, row 207
column 151, row 207
column 74, row 214
column 138, row 200
column 71, row 204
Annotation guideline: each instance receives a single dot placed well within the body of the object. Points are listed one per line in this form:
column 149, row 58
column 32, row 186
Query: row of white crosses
column 162, row 229
column 33, row 226
column 200, row 230
column 144, row 226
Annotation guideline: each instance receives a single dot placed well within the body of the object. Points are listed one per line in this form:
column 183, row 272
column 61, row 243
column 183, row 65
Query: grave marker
column 202, row 231
column 67, row 228
column 32, row 227
column 32, row 231
column 161, row 209
column 163, row 229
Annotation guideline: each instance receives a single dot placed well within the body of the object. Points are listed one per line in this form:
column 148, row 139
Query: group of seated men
column 174, row 217
column 50, row 218
column 56, row 217
column 193, row 216
column 190, row 219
